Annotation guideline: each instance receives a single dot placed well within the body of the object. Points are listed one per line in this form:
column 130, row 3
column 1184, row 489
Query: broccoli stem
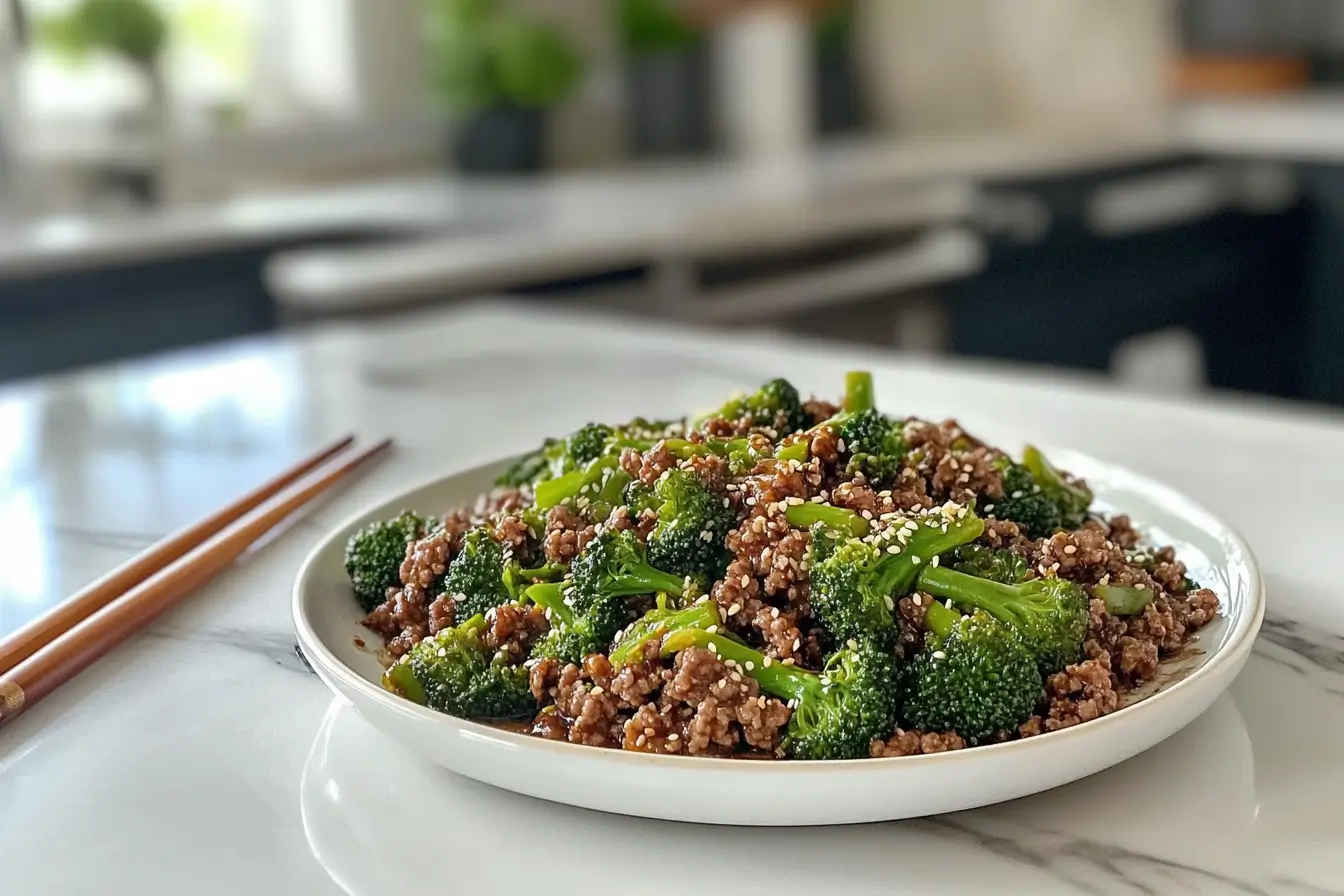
column 804, row 516
column 1121, row 601
column 554, row 492
column 1047, row 475
column 858, row 392
column 647, row 580
column 796, row 451
column 775, row 678
column 939, row 619
column 961, row 588
column 551, row 596
column 660, row 622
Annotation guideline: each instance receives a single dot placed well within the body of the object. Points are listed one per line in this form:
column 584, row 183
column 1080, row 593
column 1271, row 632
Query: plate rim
column 1239, row 641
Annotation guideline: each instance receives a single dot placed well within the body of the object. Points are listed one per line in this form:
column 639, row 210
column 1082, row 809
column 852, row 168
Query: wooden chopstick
column 32, row 637
column 68, row 655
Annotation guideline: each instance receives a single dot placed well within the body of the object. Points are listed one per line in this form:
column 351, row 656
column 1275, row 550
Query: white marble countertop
column 202, row 757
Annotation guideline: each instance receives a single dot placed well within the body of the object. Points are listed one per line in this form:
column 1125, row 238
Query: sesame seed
column 712, row 629
column 727, row 502
column 866, row 514
column 736, row 676
column 793, row 501
column 818, row 499
column 797, row 643
column 840, row 445
column 890, row 602
column 1140, row 587
column 852, row 644
column 751, row 500
column 893, row 549
column 787, row 662
column 1070, row 549
column 745, row 580
column 760, row 701
column 765, row 663
column 734, row 609
column 933, row 562
column 641, row 740
column 442, row 651
column 939, row 655
column 917, row 600
column 988, row 508
column 673, row 737
column 597, row 689
column 712, row 648
column 750, row 665
column 650, row 732
column 774, row 612
column 914, row 558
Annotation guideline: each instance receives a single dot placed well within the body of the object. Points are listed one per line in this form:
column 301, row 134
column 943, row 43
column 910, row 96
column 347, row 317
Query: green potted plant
column 839, row 103
column 498, row 73
column 137, row 33
column 667, row 78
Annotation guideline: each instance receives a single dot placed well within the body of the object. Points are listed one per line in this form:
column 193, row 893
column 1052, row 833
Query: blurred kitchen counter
column 601, row 212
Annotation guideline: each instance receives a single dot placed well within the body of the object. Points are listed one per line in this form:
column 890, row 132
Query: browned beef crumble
column 512, row 628
column 567, row 533
column 915, row 743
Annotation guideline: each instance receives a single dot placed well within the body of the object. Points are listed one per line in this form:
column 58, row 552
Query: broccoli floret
column 1049, row 614
column 658, row 624
column 856, row 583
column 693, row 521
column 874, row 444
column 836, row 712
column 571, row 636
column 1024, row 502
column 974, row 676
column 997, row 564
column 475, row 578
column 776, row 405
column 455, row 672
column 588, row 443
column 588, row 609
column 1072, row 498
column 615, row 565
column 536, row 466
column 373, row 555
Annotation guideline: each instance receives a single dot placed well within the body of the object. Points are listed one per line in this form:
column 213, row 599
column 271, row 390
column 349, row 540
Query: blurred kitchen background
column 1146, row 189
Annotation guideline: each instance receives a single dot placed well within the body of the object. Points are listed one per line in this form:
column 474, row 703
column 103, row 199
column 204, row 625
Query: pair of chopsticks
column 57, row 646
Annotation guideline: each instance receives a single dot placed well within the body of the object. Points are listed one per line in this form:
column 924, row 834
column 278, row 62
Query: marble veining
column 208, row 750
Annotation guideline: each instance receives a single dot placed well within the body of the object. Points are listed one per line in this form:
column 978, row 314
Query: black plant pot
column 839, row 105
column 502, row 140
column 667, row 102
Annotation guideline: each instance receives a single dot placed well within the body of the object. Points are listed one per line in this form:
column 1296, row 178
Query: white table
column 204, row 758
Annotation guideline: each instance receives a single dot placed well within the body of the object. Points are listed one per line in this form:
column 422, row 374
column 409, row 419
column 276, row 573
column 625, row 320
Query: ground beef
column 1120, row 531
column 963, row 476
column 592, row 713
column 516, row 536
column 824, row 445
column 858, row 497
column 1003, row 534
column 657, row 729
column 550, row 725
column 915, row 743
column 910, row 623
column 634, row 683
column 404, row 618
column 567, row 534
column 819, row 411
column 719, row 428
column 729, row 707
column 512, row 628
column 442, row 613
column 1080, row 693
column 647, row 467
column 542, row 676
column 709, row 468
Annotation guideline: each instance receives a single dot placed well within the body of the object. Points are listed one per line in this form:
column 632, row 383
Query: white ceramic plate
column 725, row 791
